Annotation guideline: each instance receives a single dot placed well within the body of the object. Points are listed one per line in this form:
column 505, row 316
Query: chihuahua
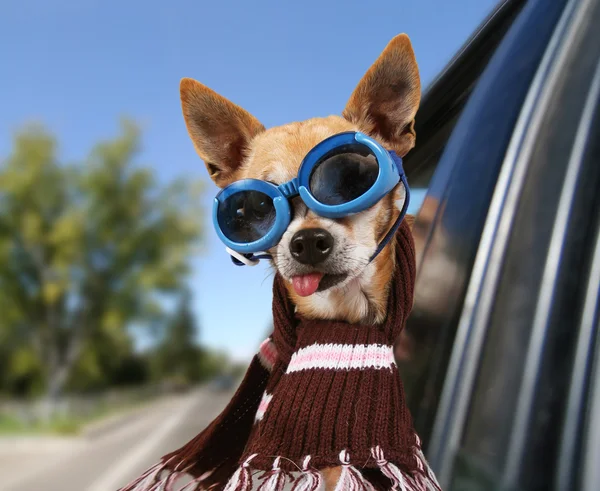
column 326, row 261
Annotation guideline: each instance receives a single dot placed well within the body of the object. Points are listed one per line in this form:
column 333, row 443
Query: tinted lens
column 246, row 216
column 344, row 174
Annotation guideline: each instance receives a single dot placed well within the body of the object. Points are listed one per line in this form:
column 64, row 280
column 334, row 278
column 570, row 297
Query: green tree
column 85, row 250
column 213, row 363
column 179, row 355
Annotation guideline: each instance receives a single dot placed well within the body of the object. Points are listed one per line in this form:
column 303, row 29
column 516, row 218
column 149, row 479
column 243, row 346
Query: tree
column 85, row 250
column 179, row 355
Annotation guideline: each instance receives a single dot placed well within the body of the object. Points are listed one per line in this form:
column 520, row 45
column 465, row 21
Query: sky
column 77, row 66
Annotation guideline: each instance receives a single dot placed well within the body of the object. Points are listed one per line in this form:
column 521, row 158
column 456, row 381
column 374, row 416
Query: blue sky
column 77, row 66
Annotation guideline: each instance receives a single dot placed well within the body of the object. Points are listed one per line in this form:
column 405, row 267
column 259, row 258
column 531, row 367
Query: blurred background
column 124, row 326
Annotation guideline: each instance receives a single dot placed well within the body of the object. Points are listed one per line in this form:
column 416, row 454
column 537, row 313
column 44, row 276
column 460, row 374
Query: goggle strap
column 246, row 259
column 398, row 161
column 392, row 231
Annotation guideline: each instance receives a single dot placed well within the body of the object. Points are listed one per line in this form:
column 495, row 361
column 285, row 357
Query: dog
column 342, row 283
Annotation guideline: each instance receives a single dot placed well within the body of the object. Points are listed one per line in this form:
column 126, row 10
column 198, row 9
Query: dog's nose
column 311, row 245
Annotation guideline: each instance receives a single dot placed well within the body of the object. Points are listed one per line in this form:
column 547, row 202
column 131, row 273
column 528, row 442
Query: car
column 502, row 374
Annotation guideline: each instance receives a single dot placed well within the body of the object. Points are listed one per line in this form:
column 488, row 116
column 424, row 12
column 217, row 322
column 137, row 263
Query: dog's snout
column 311, row 245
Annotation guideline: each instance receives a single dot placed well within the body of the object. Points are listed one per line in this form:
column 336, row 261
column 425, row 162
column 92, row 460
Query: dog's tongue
column 307, row 284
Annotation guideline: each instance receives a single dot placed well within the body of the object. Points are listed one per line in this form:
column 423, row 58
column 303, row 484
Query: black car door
column 506, row 239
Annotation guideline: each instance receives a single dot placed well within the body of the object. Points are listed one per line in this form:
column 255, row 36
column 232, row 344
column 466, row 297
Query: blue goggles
column 343, row 175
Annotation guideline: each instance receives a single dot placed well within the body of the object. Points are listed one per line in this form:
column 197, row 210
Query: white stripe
column 342, row 357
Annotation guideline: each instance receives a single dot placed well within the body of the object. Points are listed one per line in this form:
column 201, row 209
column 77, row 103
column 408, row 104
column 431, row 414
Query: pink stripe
column 264, row 404
column 342, row 357
column 267, row 354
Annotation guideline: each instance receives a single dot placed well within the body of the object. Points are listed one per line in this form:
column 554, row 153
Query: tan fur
column 331, row 475
column 276, row 154
column 410, row 219
column 234, row 145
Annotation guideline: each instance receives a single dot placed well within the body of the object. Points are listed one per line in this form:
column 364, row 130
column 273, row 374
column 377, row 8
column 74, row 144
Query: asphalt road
column 108, row 459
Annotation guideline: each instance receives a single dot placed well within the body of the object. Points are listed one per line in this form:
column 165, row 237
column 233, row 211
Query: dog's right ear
column 385, row 102
column 221, row 131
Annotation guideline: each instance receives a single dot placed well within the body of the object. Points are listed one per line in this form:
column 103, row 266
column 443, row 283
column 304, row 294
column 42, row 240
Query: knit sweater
column 318, row 394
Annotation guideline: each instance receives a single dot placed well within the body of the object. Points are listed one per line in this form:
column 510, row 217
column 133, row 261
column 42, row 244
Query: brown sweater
column 318, row 394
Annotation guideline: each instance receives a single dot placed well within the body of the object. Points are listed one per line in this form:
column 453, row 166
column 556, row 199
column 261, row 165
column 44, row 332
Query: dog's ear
column 220, row 130
column 385, row 102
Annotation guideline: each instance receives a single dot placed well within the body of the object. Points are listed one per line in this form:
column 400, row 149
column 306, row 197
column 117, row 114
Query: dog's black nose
column 311, row 245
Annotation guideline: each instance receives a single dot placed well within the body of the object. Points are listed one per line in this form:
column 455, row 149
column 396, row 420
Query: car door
column 506, row 238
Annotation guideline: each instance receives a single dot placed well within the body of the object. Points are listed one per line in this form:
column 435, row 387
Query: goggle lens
column 344, row 174
column 246, row 216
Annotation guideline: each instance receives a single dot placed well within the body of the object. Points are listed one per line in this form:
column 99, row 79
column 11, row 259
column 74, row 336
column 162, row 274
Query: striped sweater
column 318, row 394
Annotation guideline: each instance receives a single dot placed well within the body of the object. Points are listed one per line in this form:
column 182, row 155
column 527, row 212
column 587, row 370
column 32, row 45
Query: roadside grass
column 10, row 425
column 64, row 425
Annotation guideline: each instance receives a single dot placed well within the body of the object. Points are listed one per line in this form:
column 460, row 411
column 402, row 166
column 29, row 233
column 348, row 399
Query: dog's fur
column 234, row 145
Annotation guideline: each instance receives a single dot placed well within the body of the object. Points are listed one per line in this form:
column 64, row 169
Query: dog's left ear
column 385, row 102
column 220, row 130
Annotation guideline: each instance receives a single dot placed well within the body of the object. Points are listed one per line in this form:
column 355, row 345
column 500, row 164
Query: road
column 106, row 460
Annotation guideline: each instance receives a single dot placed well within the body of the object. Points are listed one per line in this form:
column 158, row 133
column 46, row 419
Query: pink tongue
column 307, row 284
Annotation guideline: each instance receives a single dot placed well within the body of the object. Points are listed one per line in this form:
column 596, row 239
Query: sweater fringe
column 309, row 478
column 351, row 479
column 162, row 477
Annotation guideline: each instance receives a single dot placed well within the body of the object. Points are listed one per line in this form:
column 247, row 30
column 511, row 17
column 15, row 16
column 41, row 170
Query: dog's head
column 234, row 145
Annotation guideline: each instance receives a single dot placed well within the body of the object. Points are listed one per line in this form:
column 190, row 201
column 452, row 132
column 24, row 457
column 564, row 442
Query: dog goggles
column 343, row 175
